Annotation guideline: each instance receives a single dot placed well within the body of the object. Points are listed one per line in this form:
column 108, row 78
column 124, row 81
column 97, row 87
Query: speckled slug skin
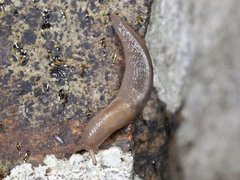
column 133, row 94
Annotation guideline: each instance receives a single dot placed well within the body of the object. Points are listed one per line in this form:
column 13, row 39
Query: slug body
column 133, row 94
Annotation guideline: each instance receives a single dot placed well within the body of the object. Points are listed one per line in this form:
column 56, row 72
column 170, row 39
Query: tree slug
column 133, row 94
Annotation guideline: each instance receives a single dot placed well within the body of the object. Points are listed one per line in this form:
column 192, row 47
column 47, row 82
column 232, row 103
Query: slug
column 133, row 94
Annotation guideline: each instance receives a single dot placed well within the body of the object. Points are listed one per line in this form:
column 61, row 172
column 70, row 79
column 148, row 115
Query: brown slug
column 133, row 94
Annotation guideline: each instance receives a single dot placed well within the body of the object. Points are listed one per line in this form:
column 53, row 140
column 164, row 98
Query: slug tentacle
column 93, row 157
column 133, row 94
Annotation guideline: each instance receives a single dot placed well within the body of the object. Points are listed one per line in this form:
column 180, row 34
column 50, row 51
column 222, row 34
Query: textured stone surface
column 60, row 62
column 151, row 137
column 195, row 47
column 208, row 140
column 169, row 44
column 112, row 164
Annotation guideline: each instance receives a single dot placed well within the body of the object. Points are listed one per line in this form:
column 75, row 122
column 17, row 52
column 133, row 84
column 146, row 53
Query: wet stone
column 24, row 88
column 60, row 82
column 21, row 74
column 86, row 21
column 47, row 35
column 9, row 19
column 86, row 45
column 33, row 18
column 110, row 32
column 5, row 79
column 51, row 61
column 7, row 2
column 29, row 37
column 15, row 13
column 61, row 71
column 37, row 92
column 132, row 1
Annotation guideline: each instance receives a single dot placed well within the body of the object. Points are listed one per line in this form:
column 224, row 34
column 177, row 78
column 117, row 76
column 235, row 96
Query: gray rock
column 112, row 164
column 203, row 37
column 60, row 63
column 209, row 138
column 169, row 45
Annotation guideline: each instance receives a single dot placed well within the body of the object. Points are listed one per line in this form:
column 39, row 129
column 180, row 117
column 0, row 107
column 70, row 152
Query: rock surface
column 112, row 164
column 195, row 47
column 61, row 62
column 169, row 44
column 151, row 137
column 208, row 140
